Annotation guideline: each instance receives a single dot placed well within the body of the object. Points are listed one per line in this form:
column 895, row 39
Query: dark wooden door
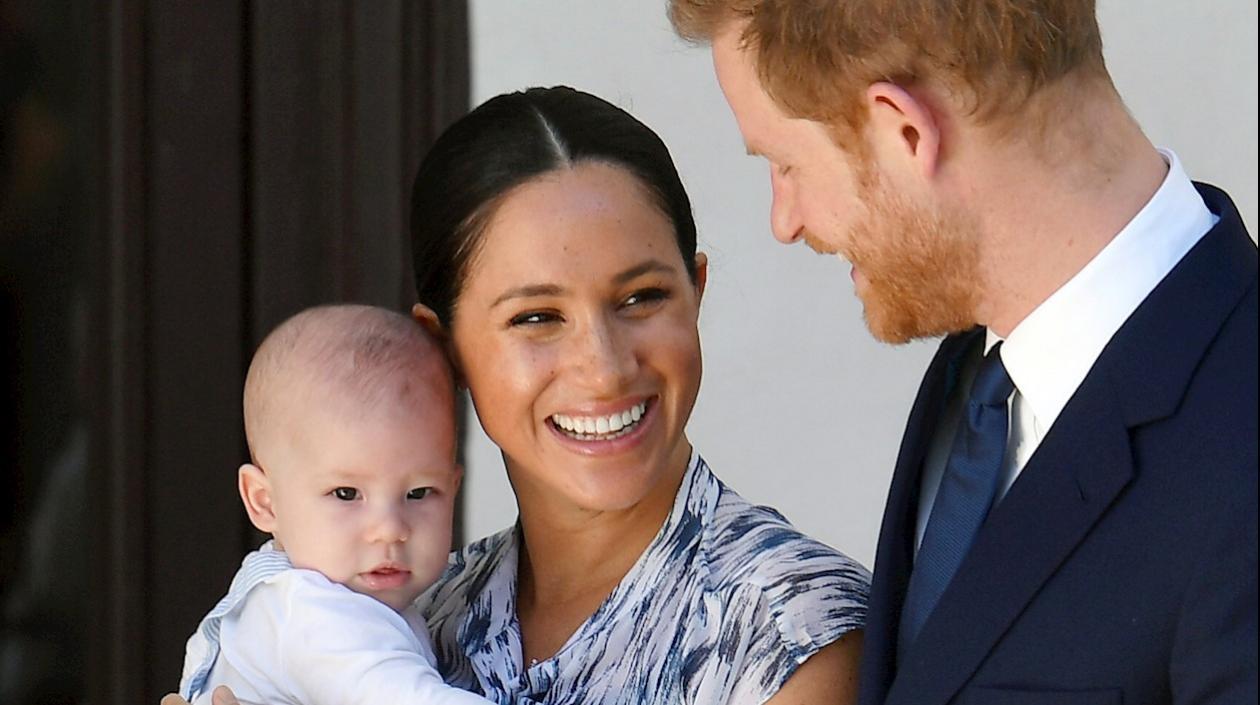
column 177, row 179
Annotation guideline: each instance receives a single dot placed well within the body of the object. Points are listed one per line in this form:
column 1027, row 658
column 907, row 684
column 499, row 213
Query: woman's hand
column 221, row 696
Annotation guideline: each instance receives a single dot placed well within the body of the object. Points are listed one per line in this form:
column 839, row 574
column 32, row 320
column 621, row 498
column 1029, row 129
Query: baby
column 349, row 415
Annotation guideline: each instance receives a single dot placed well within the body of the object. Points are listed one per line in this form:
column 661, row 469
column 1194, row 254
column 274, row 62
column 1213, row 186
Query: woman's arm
column 829, row 677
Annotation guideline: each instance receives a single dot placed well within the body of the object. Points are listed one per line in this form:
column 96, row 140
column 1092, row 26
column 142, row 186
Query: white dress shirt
column 1050, row 352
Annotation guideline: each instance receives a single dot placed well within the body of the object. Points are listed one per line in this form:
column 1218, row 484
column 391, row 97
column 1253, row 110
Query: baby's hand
column 222, row 696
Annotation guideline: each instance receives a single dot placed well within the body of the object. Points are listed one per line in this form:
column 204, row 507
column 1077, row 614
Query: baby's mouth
column 386, row 576
column 601, row 428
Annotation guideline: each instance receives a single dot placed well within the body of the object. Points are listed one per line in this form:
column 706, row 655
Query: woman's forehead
column 592, row 220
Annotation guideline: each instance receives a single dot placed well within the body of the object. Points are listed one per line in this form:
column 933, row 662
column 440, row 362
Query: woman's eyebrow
column 652, row 265
column 528, row 290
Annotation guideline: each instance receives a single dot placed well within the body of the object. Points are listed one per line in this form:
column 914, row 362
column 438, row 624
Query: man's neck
column 1046, row 217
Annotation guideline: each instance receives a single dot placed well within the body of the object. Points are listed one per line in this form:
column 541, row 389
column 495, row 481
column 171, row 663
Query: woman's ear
column 702, row 274
column 255, row 489
column 428, row 319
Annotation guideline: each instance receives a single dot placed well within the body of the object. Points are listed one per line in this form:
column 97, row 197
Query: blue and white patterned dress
column 724, row 604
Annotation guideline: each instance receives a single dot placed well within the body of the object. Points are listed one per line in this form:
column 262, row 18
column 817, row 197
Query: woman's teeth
column 602, row 428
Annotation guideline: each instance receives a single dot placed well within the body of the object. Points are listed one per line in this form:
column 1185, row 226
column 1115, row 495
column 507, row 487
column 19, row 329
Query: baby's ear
column 255, row 488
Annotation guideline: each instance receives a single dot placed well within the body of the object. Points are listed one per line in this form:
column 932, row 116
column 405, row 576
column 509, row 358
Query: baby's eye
column 346, row 494
column 419, row 493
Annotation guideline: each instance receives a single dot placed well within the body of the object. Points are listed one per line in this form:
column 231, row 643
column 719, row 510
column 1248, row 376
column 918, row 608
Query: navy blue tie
column 966, row 493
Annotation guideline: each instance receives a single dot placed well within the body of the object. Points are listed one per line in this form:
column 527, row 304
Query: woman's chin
column 613, row 493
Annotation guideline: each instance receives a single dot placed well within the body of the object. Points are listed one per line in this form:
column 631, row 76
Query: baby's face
column 368, row 500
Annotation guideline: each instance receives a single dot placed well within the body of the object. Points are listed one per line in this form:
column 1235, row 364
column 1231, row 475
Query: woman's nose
column 785, row 221
column 606, row 359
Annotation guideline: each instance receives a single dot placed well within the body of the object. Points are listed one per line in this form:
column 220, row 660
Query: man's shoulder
column 1193, row 342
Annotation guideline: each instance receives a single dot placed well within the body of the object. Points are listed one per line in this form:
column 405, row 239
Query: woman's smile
column 604, row 433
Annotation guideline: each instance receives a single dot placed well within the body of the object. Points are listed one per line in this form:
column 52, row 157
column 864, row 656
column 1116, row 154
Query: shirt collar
column 1051, row 351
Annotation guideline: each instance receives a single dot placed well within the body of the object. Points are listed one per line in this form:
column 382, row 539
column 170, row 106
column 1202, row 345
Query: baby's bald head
column 345, row 359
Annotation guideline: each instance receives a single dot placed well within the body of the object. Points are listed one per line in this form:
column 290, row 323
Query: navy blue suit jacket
column 1121, row 566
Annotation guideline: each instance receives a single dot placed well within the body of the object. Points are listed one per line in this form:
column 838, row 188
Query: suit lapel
column 893, row 559
column 1080, row 468
column 1082, row 465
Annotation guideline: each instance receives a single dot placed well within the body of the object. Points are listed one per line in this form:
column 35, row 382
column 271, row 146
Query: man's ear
column 903, row 129
column 255, row 489
column 702, row 274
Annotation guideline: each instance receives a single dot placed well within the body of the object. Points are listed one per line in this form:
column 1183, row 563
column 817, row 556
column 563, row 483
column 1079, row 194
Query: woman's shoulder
column 752, row 545
column 790, row 595
column 467, row 571
column 480, row 553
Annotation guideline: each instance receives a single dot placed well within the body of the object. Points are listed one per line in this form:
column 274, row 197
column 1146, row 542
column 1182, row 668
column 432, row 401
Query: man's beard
column 921, row 266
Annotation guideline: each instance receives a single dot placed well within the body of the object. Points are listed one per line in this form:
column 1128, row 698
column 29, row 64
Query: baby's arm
column 338, row 647
column 221, row 696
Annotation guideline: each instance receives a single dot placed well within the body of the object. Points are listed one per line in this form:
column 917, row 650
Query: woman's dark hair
column 507, row 141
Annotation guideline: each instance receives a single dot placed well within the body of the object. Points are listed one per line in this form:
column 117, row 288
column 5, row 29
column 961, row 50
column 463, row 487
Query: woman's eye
column 346, row 494
column 645, row 296
column 419, row 493
column 533, row 318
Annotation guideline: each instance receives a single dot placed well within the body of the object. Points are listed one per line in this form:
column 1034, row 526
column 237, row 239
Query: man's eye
column 419, row 493
column 346, row 494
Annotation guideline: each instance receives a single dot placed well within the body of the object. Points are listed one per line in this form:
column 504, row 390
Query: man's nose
column 785, row 221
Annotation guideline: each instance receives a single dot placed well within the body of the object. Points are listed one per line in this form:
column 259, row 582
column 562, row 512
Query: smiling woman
column 557, row 349
column 555, row 253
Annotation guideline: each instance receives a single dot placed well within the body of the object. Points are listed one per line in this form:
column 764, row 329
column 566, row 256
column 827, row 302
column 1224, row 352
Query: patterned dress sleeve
column 798, row 596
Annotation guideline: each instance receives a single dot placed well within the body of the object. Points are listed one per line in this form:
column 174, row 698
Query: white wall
column 800, row 409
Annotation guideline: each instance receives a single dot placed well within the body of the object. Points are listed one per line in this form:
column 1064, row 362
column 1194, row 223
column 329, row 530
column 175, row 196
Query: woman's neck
column 571, row 560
